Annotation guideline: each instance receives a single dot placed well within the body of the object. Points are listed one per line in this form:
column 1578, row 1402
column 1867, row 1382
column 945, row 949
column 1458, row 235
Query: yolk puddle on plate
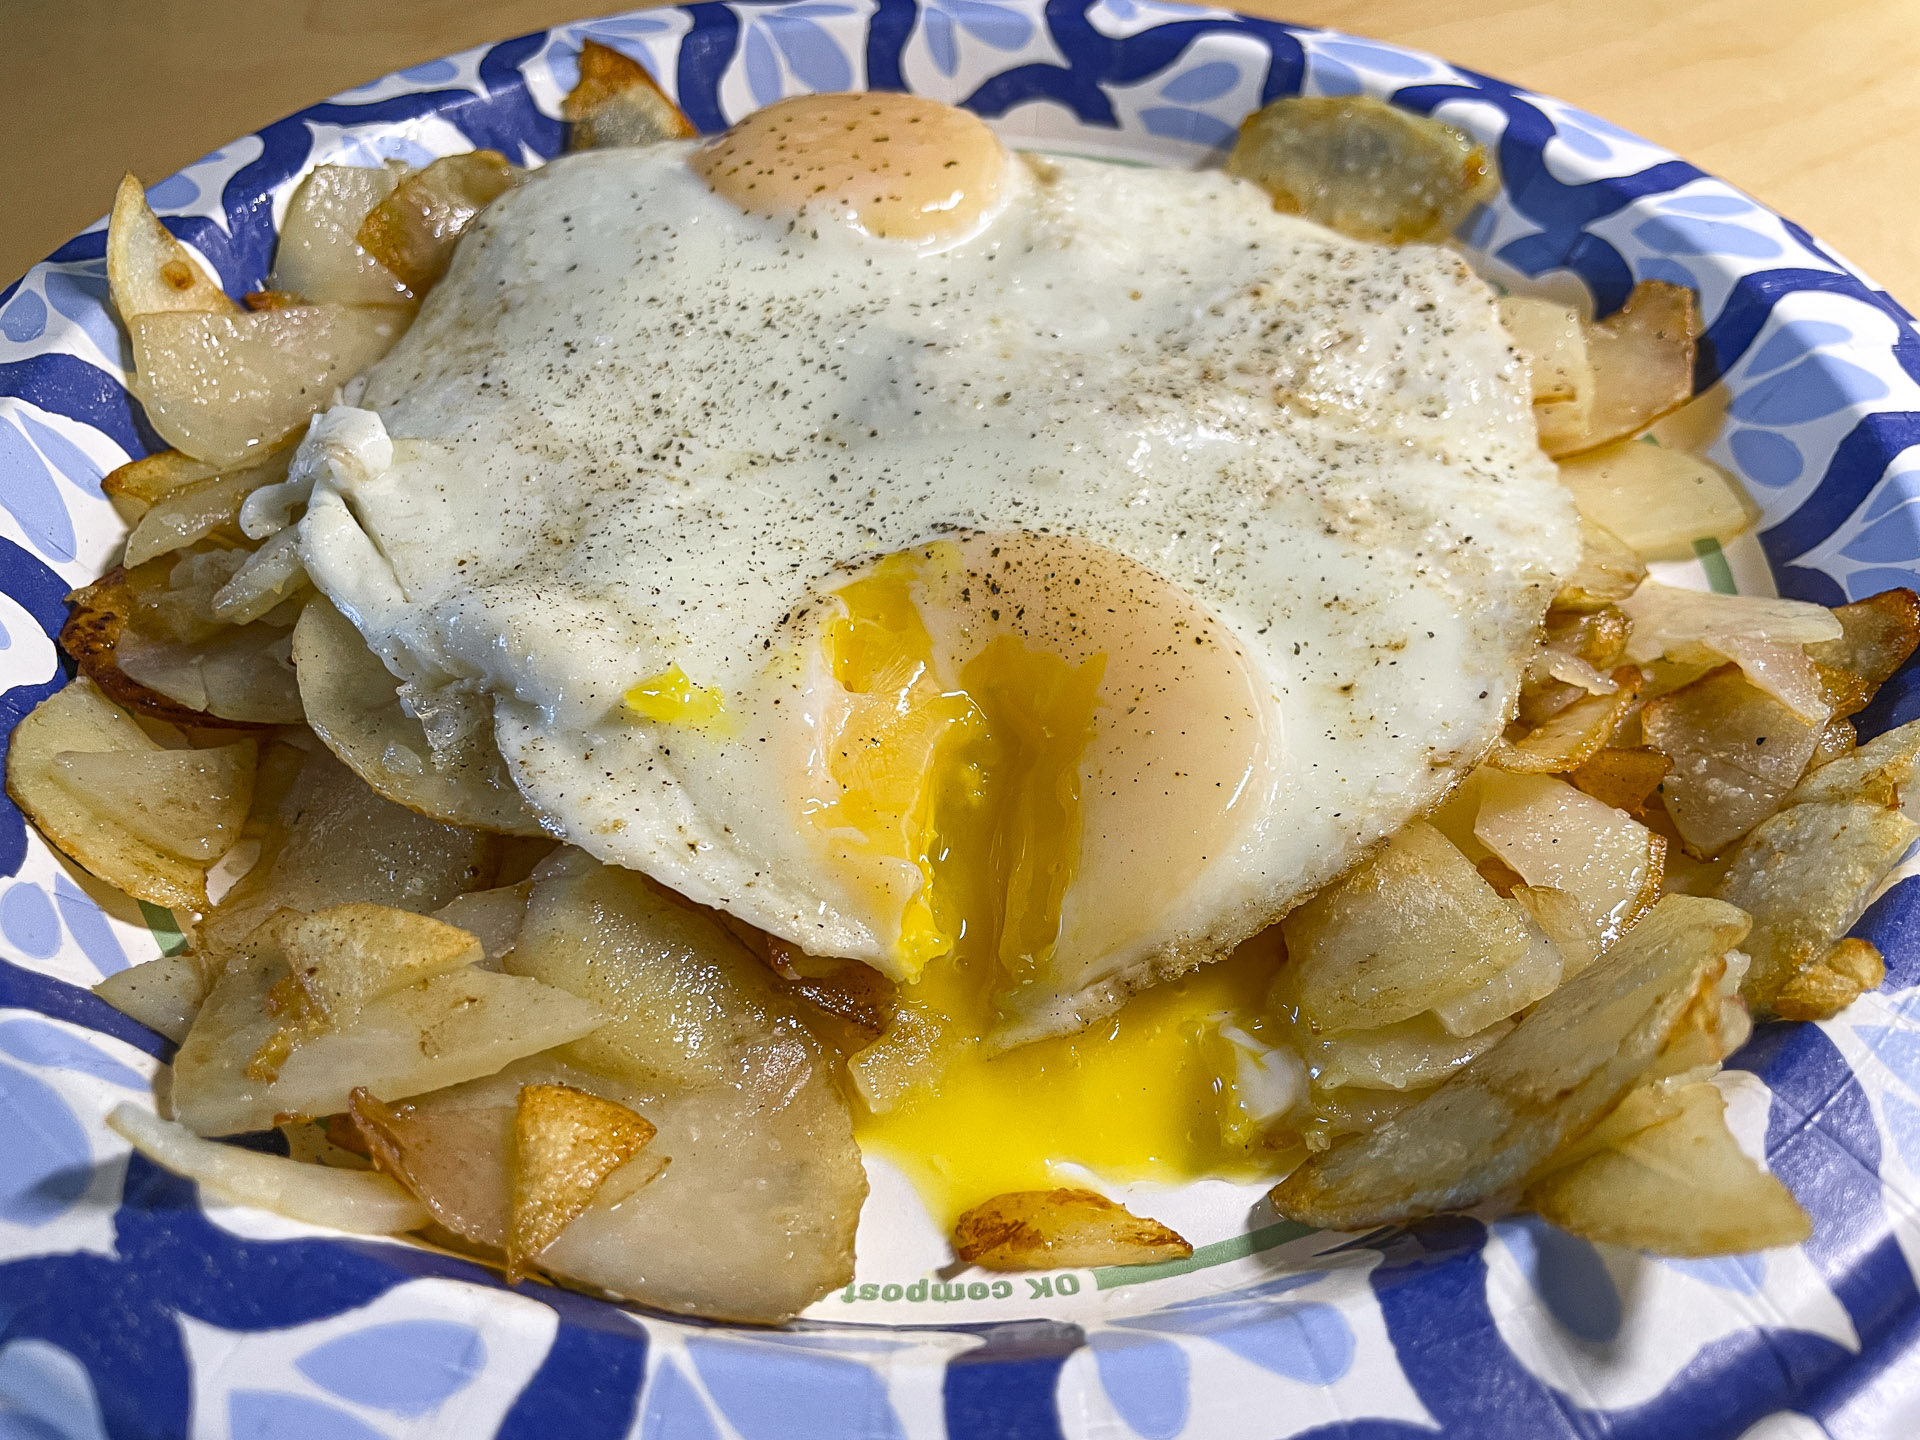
column 972, row 779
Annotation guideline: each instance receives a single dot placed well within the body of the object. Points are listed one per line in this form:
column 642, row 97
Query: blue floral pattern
column 129, row 1310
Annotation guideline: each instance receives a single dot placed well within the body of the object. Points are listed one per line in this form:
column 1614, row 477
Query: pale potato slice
column 1657, row 500
column 1833, row 982
column 1060, row 1230
column 1837, row 740
column 1506, row 992
column 239, row 1069
column 1407, row 1055
column 244, row 674
column 189, row 803
column 353, row 703
column 1806, row 875
column 453, row 1150
column 1609, row 571
column 413, row 231
column 79, row 719
column 273, row 576
column 1624, row 779
column 567, row 1143
column 1556, row 836
column 224, row 388
column 1564, row 920
column 317, row 257
column 163, row 994
column 1877, row 636
column 330, row 840
column 616, row 102
column 148, row 271
column 1572, row 736
column 1563, row 1066
column 1363, row 167
column 1552, row 340
column 1736, row 754
column 1679, row 1186
column 194, row 511
column 908, row 1056
column 140, row 484
column 100, row 615
column 1878, row 771
column 493, row 917
column 357, row 1201
column 1764, row 636
column 1642, row 360
column 1411, row 927
column 346, row 957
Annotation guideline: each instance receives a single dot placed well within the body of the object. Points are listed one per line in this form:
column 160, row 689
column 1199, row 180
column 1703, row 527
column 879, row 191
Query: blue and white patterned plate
column 129, row 1310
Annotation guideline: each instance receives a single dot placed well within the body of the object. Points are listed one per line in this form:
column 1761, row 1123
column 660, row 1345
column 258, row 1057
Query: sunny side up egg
column 1028, row 576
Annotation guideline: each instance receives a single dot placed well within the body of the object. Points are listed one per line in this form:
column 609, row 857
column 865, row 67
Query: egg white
column 635, row 427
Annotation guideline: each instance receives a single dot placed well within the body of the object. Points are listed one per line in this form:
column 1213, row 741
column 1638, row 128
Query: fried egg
column 1028, row 576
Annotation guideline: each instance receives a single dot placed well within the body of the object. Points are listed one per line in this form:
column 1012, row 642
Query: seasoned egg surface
column 1073, row 565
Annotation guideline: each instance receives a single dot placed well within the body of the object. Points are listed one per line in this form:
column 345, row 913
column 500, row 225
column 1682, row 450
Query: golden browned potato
column 1363, row 167
column 148, row 271
column 566, row 1143
column 1061, row 1229
column 1680, row 1185
column 317, row 258
column 1569, row 738
column 1625, row 779
column 616, row 102
column 1567, row 1062
column 413, row 231
column 1838, row 978
column 1609, row 571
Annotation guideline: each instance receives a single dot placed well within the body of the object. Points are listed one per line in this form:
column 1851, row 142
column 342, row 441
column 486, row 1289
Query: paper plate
column 129, row 1310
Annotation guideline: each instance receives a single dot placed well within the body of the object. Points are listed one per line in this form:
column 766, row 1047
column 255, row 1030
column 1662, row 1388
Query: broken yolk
column 671, row 698
column 954, row 791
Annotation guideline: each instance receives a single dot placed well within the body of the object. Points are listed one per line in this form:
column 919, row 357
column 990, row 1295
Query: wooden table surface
column 1811, row 105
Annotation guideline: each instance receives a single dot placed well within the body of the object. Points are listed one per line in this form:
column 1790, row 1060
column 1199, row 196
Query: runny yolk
column 956, row 769
column 672, row 698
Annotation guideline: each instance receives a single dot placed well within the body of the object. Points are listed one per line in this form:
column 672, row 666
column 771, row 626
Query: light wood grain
column 1812, row 107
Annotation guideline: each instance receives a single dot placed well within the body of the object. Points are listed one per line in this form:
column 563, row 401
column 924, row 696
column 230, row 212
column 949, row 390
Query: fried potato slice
column 79, row 720
column 162, row 994
column 452, row 1150
column 225, row 388
column 148, row 271
column 566, row 1143
column 493, row 917
column 1624, row 779
column 243, row 1066
column 139, row 484
column 1736, row 755
column 754, row 1218
column 1838, row 739
column 189, row 803
column 1553, row 342
column 193, row 511
column 1656, row 499
column 1764, row 636
column 329, row 840
column 1060, row 1230
column 1806, row 875
column 1411, row 927
column 346, row 957
column 1558, row 837
column 353, row 704
column 1609, row 571
column 1877, row 772
column 1563, row 1066
column 1642, row 359
column 1678, row 1186
column 1877, row 636
column 413, row 231
column 1505, row 992
column 1363, row 167
column 1825, row 988
column 1408, row 1055
column 616, row 102
column 318, row 257
column 1572, row 736
column 358, row 1201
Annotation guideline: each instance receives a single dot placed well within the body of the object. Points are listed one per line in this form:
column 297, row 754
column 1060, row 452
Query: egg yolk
column 672, row 698
column 900, row 167
column 988, row 740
